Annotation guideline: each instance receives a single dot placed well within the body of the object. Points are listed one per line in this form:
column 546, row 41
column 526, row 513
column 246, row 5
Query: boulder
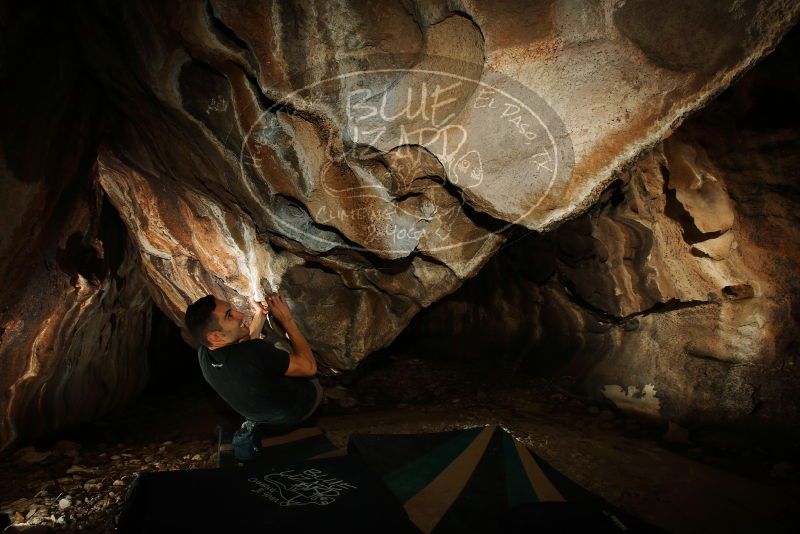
column 367, row 160
column 675, row 297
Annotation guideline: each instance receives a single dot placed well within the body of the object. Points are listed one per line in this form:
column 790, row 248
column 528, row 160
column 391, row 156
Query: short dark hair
column 200, row 320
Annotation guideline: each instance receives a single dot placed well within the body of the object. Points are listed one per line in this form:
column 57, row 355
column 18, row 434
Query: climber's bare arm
column 301, row 359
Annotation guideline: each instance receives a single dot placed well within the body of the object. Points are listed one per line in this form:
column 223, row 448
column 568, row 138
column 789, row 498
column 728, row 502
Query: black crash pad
column 329, row 495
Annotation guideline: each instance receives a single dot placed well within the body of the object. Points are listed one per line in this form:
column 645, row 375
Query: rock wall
column 74, row 307
column 676, row 296
column 369, row 159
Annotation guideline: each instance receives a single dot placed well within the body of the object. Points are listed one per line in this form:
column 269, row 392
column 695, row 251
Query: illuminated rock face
column 683, row 303
column 73, row 348
column 76, row 311
column 676, row 295
column 365, row 158
column 640, row 307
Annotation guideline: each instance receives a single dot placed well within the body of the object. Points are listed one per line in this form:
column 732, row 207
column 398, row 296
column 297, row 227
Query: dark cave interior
column 534, row 339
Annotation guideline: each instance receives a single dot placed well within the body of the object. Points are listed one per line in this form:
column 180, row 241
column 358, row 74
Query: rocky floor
column 78, row 484
column 680, row 480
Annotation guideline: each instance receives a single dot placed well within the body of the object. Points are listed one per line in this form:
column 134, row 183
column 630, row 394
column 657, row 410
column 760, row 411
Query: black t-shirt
column 250, row 376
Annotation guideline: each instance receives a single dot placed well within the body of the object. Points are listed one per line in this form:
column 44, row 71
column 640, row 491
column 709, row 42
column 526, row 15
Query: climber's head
column 214, row 323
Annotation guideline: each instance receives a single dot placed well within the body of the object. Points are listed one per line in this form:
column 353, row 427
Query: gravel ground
column 69, row 487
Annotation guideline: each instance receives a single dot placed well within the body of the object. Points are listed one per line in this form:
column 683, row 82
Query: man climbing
column 272, row 389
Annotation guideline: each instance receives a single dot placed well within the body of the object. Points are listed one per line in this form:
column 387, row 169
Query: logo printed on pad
column 293, row 488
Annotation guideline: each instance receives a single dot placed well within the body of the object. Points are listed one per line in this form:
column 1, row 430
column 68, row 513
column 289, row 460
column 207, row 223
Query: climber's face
column 232, row 325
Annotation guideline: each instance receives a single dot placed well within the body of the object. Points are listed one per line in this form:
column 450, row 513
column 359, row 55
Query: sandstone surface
column 74, row 306
column 366, row 158
column 369, row 159
column 676, row 295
